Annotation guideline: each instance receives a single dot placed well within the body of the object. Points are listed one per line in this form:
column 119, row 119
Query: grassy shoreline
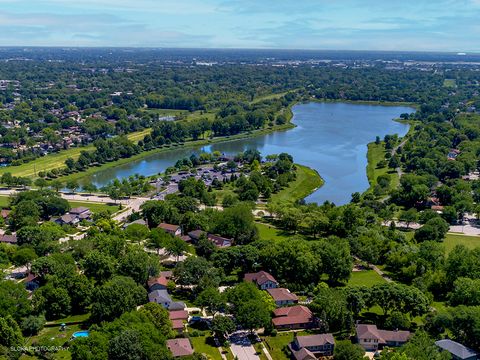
column 189, row 144
column 57, row 160
column 365, row 102
column 308, row 180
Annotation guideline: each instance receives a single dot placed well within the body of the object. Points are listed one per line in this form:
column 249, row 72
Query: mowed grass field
column 376, row 153
column 57, row 160
column 306, row 182
column 452, row 240
column 365, row 278
column 449, row 83
column 93, row 206
column 200, row 345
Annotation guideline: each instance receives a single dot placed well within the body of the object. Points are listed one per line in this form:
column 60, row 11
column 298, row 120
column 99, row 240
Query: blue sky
column 429, row 25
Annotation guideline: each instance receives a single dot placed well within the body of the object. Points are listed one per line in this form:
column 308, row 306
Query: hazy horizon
column 373, row 25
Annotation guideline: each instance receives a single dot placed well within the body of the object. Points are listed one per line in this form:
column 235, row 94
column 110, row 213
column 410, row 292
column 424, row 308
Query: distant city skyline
column 407, row 25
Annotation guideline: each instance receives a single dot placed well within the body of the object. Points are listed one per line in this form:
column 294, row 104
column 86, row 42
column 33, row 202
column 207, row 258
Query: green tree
column 126, row 346
column 138, row 265
column 211, row 299
column 115, row 297
column 54, row 301
column 72, row 185
column 99, row 266
column 345, row 350
column 222, row 326
column 31, row 325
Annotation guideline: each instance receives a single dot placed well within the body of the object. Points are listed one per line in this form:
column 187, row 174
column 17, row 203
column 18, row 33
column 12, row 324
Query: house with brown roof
column 371, row 338
column 158, row 283
column 167, row 274
column 174, row 230
column 180, row 347
column 262, row 279
column 178, row 315
column 178, row 319
column 294, row 317
column 178, row 326
column 312, row 346
column 32, row 282
column 4, row 213
column 8, row 238
column 219, row 241
column 283, row 297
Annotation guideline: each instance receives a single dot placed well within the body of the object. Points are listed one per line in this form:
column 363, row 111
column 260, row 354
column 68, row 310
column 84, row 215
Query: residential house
column 312, row 346
column 195, row 235
column 262, row 279
column 4, row 213
column 8, row 238
column 158, row 283
column 180, row 347
column 81, row 212
column 68, row 219
column 168, row 274
column 282, row 297
column 219, row 241
column 457, row 350
column 294, row 317
column 174, row 230
column 178, row 319
column 31, row 282
column 371, row 338
column 163, row 298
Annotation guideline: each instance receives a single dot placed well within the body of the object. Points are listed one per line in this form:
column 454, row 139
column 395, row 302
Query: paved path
column 376, row 269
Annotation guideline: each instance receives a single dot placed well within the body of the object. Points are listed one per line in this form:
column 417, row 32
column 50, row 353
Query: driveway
column 242, row 348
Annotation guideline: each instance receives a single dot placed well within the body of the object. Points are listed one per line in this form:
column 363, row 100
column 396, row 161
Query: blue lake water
column 331, row 138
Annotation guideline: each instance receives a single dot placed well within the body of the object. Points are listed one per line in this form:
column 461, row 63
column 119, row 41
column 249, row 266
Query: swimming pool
column 80, row 334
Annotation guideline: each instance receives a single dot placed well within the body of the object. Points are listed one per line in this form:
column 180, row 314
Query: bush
column 32, row 325
column 397, row 321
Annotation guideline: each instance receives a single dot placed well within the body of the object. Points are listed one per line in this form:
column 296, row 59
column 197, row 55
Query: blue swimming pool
column 80, row 334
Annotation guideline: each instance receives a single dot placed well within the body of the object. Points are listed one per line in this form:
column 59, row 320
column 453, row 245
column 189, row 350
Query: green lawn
column 93, row 206
column 269, row 97
column 449, row 83
column 307, row 181
column 451, row 240
column 200, row 345
column 57, row 160
column 259, row 348
column 269, row 232
column 366, row 278
column 376, row 153
column 276, row 344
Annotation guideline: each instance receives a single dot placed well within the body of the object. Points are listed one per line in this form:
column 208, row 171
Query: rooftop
column 455, row 348
column 180, row 347
column 281, row 294
column 260, row 277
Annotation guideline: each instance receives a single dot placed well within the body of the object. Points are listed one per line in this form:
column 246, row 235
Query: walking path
column 376, row 269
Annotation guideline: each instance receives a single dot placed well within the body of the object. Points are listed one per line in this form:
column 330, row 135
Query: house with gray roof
column 457, row 350
column 312, row 346
column 162, row 297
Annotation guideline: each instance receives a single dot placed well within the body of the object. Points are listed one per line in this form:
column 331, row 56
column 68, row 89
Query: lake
column 331, row 138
